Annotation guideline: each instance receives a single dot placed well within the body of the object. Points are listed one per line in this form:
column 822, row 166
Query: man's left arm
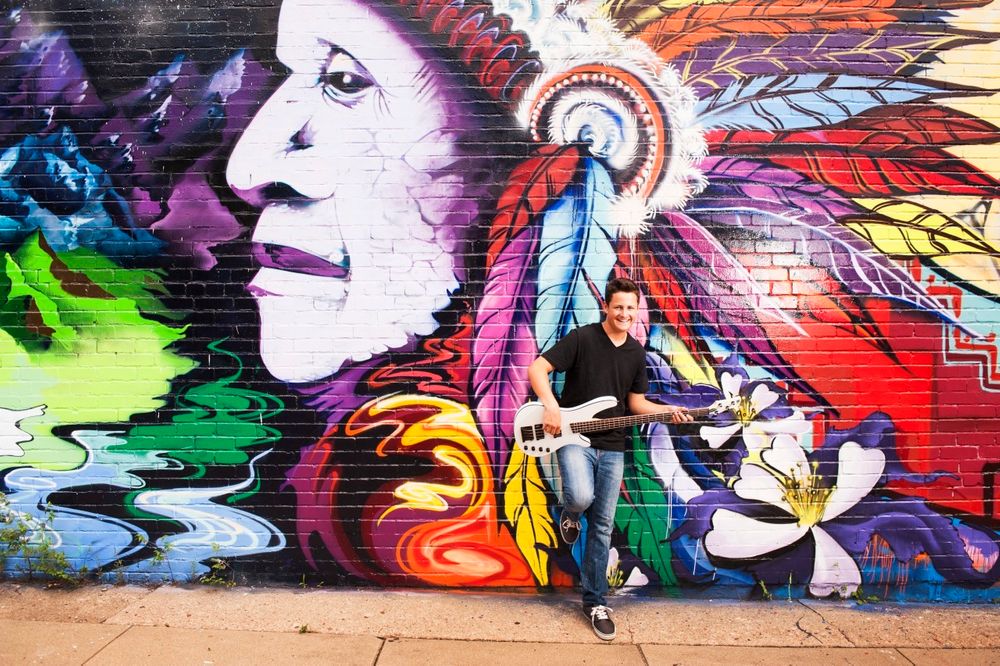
column 639, row 404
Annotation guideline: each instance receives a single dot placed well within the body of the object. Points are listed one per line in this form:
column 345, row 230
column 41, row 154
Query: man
column 598, row 359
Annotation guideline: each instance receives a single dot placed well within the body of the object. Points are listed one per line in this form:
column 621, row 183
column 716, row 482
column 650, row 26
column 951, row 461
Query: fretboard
column 594, row 425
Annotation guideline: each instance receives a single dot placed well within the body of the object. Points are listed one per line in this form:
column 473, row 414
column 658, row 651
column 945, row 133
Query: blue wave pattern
column 97, row 541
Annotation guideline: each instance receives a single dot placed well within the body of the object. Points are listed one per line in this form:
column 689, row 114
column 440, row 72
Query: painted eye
column 344, row 79
column 345, row 83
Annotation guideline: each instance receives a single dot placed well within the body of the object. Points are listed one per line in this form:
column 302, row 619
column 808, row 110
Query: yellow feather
column 526, row 509
column 905, row 229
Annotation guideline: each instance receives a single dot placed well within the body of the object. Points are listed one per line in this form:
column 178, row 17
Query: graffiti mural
column 271, row 281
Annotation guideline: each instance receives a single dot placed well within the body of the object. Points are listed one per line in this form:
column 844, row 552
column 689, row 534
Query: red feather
column 662, row 288
column 861, row 162
column 683, row 30
column 929, row 124
column 533, row 185
column 914, row 171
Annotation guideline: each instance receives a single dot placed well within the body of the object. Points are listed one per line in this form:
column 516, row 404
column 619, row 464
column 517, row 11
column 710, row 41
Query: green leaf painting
column 643, row 516
column 83, row 346
column 212, row 424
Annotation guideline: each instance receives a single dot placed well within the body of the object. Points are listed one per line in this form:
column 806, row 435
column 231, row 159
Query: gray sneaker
column 600, row 620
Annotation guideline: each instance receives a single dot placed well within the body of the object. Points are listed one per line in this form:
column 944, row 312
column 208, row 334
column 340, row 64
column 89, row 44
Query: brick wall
column 272, row 275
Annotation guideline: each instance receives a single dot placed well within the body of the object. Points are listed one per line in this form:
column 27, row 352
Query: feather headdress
column 671, row 137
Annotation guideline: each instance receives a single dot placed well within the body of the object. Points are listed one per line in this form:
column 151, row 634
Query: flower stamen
column 746, row 412
column 805, row 495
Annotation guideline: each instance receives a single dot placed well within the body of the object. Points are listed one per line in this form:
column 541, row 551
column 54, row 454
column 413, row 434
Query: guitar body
column 533, row 441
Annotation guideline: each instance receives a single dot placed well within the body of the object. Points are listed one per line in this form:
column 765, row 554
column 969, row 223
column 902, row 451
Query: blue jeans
column 591, row 481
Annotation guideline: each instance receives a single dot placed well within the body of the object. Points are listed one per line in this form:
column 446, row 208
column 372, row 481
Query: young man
column 598, row 359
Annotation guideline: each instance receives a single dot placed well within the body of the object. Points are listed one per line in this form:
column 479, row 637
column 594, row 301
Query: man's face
column 354, row 160
column 620, row 312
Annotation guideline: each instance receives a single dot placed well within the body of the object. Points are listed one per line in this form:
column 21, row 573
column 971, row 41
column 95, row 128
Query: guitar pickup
column 531, row 433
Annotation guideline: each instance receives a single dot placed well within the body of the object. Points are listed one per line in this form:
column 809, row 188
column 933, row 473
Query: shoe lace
column 600, row 613
column 568, row 523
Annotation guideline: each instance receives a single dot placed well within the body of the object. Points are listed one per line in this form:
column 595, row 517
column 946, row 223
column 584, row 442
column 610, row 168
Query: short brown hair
column 620, row 284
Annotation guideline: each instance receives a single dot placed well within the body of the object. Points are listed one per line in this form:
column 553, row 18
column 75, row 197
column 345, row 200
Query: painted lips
column 285, row 258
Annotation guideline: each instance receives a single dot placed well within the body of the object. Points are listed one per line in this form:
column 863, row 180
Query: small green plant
column 26, row 542
column 765, row 593
column 220, row 573
column 160, row 552
column 304, row 629
column 861, row 598
column 118, row 569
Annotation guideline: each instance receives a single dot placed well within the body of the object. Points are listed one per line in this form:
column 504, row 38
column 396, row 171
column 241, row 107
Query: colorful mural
column 272, row 278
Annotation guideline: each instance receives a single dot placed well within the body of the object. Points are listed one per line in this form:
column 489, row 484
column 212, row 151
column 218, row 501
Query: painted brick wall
column 271, row 275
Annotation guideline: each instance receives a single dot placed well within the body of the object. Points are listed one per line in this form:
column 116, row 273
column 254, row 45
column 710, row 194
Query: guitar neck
column 614, row 423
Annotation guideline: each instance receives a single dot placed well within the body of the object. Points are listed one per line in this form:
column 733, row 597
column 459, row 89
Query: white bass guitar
column 576, row 421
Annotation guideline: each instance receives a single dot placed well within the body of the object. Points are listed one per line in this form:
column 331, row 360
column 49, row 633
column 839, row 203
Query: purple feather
column 718, row 63
column 779, row 205
column 504, row 342
column 721, row 291
column 787, row 186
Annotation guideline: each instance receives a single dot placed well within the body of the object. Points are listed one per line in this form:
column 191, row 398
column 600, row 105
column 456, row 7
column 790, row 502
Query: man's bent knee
column 577, row 504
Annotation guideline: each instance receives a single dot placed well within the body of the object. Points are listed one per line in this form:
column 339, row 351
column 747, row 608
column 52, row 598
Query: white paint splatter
column 11, row 435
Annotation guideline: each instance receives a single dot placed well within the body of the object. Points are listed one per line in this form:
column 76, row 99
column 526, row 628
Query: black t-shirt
column 594, row 367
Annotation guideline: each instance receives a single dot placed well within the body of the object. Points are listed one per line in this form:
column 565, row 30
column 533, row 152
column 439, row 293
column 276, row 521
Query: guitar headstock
column 724, row 405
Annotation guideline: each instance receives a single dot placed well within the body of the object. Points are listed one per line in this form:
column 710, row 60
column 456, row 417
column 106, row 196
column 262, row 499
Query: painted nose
column 275, row 157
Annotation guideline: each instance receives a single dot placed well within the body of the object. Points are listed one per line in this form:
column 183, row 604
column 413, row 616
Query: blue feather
column 576, row 256
column 803, row 101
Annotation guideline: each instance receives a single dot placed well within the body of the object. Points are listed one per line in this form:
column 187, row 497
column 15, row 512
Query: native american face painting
column 363, row 186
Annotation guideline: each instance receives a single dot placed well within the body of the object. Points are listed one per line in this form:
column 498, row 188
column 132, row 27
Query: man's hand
column 678, row 414
column 552, row 421
column 538, row 375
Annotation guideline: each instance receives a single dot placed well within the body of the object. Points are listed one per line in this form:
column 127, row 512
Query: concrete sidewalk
column 196, row 625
